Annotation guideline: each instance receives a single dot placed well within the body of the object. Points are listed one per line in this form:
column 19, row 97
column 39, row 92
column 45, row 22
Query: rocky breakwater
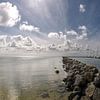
column 82, row 81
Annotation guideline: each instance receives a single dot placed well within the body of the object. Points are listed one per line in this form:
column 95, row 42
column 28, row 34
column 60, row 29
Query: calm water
column 90, row 61
column 27, row 78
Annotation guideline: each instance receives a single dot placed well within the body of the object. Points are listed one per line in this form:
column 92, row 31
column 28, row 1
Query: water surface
column 26, row 78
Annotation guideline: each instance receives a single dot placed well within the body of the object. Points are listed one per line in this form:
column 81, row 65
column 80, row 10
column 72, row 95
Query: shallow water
column 27, row 78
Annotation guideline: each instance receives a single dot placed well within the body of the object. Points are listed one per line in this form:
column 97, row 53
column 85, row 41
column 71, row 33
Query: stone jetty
column 82, row 81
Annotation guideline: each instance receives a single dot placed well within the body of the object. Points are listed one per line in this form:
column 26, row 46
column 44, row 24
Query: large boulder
column 96, row 95
column 89, row 76
column 97, row 80
column 79, row 81
column 90, row 90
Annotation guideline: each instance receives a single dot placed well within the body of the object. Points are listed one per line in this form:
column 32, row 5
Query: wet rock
column 96, row 95
column 77, row 97
column 85, row 98
column 69, row 81
column 61, row 89
column 89, row 76
column 65, row 80
column 57, row 71
column 97, row 81
column 90, row 90
column 64, row 66
column 76, row 88
column 77, row 72
column 95, row 70
column 69, row 85
column 70, row 73
column 74, row 96
column 55, row 67
column 45, row 95
column 79, row 80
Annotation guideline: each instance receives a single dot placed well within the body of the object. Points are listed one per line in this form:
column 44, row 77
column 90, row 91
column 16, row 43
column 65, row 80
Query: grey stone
column 85, row 98
column 79, row 80
column 90, row 90
column 96, row 95
column 97, row 81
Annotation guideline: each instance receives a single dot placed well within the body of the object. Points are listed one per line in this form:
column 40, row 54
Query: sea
column 27, row 78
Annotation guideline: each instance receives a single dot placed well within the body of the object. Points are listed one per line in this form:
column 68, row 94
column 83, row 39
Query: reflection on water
column 90, row 61
column 26, row 78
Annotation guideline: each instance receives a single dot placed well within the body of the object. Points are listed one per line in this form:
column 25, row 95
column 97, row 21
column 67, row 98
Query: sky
column 76, row 19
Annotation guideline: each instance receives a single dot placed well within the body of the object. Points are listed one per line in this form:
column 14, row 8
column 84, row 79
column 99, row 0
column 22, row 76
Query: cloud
column 17, row 41
column 82, row 28
column 26, row 27
column 62, row 36
column 82, row 8
column 9, row 14
column 71, row 32
column 61, row 41
column 82, row 32
column 53, row 35
column 81, row 37
column 70, row 40
column 71, row 35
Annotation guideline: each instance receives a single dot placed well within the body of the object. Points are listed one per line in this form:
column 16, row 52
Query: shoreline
column 82, row 81
column 84, row 57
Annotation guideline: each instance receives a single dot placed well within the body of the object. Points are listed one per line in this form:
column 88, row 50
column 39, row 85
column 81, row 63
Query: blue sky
column 57, row 15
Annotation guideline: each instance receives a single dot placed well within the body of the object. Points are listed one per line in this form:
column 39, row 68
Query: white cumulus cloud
column 27, row 27
column 82, row 32
column 17, row 41
column 82, row 27
column 53, row 35
column 71, row 32
column 9, row 14
column 82, row 8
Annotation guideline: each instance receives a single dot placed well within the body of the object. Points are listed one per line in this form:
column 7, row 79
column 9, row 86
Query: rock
column 76, row 88
column 89, row 76
column 69, row 81
column 77, row 72
column 85, row 98
column 79, row 80
column 96, row 95
column 55, row 67
column 95, row 70
column 64, row 66
column 77, row 97
column 57, row 71
column 97, row 81
column 74, row 96
column 90, row 90
column 70, row 73
column 69, row 85
column 65, row 80
column 44, row 95
column 61, row 89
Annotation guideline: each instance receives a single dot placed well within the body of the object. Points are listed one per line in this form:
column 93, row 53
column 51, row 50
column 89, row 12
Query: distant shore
column 84, row 57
